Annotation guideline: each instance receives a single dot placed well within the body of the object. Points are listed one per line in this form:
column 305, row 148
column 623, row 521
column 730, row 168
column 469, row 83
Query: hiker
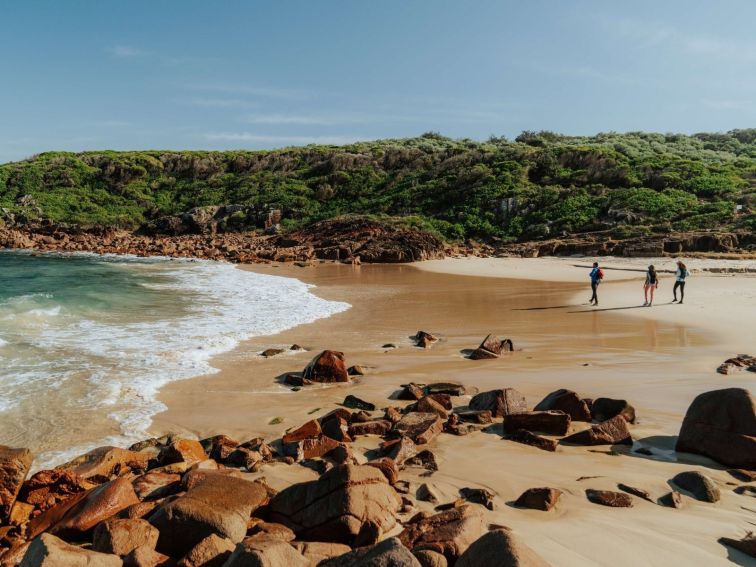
column 596, row 276
column 680, row 275
column 651, row 283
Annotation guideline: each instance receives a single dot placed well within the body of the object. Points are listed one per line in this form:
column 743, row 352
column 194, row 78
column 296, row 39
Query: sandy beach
column 657, row 358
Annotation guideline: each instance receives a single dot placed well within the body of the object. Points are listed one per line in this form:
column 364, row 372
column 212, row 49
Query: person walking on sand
column 651, row 283
column 680, row 275
column 596, row 276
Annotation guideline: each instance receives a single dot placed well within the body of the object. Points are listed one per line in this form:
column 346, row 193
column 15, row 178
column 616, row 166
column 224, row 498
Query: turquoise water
column 87, row 341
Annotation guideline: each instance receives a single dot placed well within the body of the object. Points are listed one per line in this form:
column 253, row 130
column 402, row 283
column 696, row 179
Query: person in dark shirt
column 650, row 285
column 596, row 276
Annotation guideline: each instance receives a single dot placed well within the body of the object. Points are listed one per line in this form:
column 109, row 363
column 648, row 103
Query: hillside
column 542, row 185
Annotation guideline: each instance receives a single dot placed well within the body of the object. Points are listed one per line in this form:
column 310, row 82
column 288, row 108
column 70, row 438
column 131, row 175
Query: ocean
column 87, row 341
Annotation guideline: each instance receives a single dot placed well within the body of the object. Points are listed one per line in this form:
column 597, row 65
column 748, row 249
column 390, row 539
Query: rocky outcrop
column 337, row 506
column 722, row 426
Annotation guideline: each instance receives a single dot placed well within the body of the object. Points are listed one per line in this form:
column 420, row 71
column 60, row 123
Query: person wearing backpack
column 680, row 275
column 650, row 285
column 596, row 276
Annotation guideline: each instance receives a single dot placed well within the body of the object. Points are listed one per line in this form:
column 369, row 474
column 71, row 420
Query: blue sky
column 187, row 74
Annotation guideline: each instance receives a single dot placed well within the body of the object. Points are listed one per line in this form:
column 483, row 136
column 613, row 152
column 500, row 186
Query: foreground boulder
column 611, row 432
column 328, row 366
column 339, row 507
column 14, row 466
column 568, row 402
column 500, row 402
column 492, row 347
column 220, row 504
column 449, row 533
column 49, row 551
column 388, row 553
column 721, row 425
column 500, row 547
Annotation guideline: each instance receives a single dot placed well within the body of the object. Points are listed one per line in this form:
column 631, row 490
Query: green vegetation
column 540, row 185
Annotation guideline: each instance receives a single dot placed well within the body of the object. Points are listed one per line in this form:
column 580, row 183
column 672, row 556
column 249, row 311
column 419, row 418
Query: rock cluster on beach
column 176, row 501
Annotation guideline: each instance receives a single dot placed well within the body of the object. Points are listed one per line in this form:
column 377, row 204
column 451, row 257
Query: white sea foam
column 127, row 362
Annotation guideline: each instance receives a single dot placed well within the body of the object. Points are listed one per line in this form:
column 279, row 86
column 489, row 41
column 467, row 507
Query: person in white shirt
column 680, row 275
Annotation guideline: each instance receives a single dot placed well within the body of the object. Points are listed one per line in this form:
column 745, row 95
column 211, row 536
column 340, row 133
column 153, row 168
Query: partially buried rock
column 356, row 403
column 476, row 416
column 609, row 498
column 271, row 352
column 428, row 493
column 49, row 551
column 421, row 427
column 737, row 363
column 449, row 532
column 611, row 432
column 328, row 366
column 424, row 459
column 539, row 498
column 448, row 388
column 606, row 408
column 640, row 493
column 357, row 370
column 551, row 422
column 746, row 545
column 500, row 547
column 478, row 496
column 501, row 402
column 672, row 499
column 14, row 466
column 218, row 505
column 698, row 484
column 492, row 347
column 722, row 426
column 527, row 438
column 424, row 340
column 337, row 505
column 388, row 553
column 568, row 402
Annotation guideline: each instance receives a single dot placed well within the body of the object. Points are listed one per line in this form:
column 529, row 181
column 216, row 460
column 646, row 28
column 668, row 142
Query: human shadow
column 738, row 557
column 609, row 309
column 542, row 308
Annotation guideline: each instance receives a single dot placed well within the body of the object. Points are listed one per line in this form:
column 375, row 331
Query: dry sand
column 658, row 358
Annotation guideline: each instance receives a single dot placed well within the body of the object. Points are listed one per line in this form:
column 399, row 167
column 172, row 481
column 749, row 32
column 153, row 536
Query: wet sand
column 656, row 358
